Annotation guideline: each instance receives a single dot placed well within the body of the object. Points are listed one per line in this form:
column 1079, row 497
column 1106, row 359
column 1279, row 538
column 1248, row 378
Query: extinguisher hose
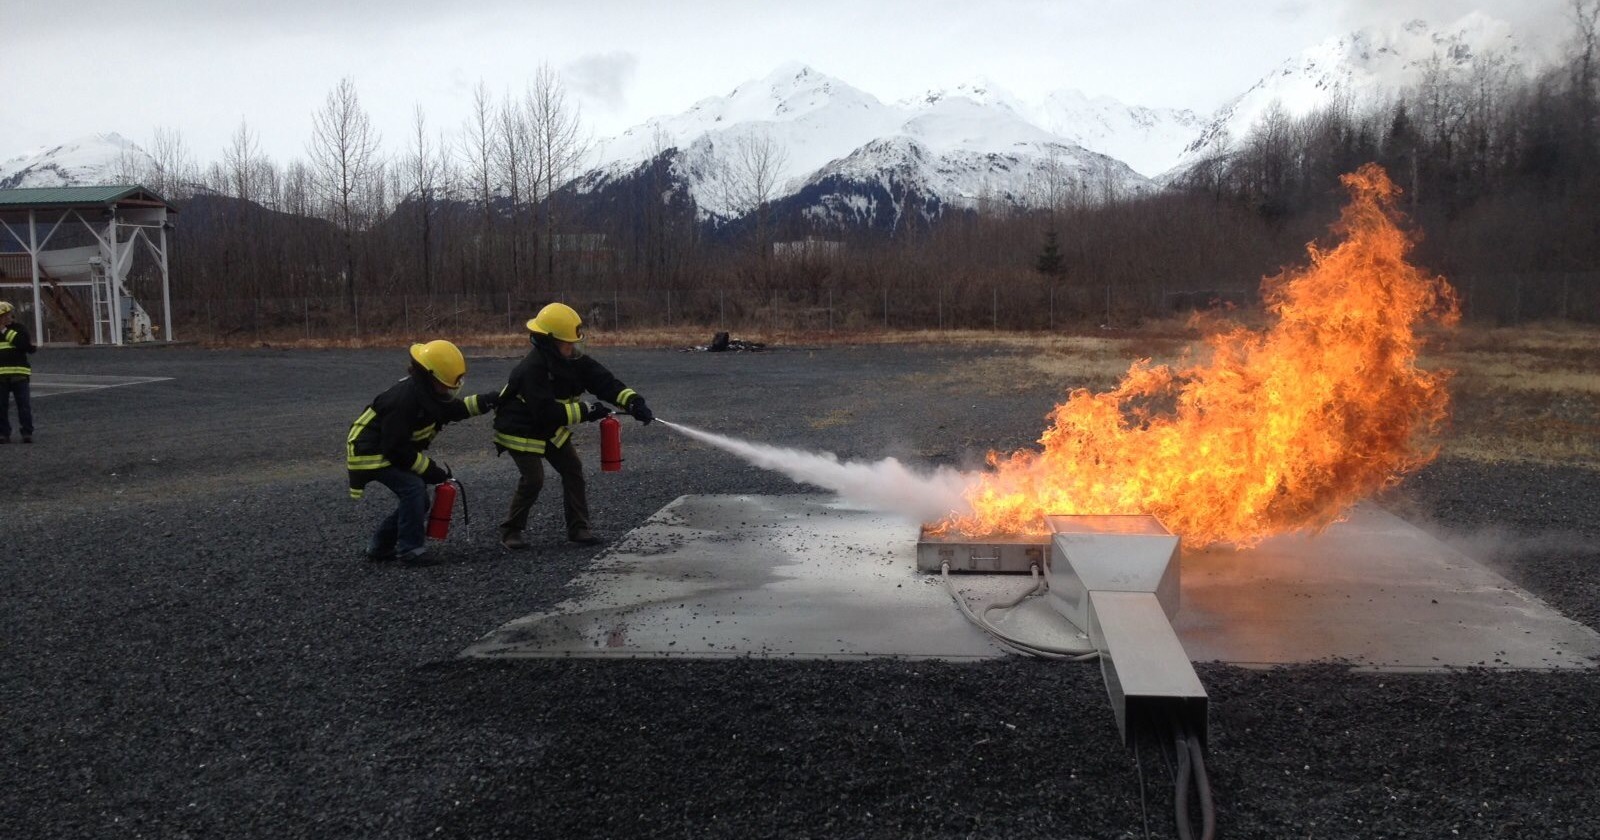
column 466, row 519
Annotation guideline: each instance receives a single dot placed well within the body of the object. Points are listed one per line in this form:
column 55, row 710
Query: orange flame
column 1280, row 430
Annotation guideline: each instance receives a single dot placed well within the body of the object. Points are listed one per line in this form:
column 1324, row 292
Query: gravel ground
column 190, row 645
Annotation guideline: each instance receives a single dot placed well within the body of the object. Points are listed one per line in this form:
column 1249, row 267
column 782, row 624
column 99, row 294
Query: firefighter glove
column 595, row 411
column 435, row 474
column 640, row 411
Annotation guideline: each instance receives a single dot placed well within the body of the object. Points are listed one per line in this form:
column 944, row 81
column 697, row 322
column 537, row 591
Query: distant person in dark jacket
column 15, row 376
column 537, row 410
column 386, row 443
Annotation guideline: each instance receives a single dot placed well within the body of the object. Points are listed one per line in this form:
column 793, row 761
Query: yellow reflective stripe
column 574, row 413
column 624, row 395
column 360, row 425
column 519, row 444
column 365, row 462
column 425, row 433
column 16, row 371
column 421, row 464
column 560, row 436
column 472, row 406
column 355, row 492
column 7, row 345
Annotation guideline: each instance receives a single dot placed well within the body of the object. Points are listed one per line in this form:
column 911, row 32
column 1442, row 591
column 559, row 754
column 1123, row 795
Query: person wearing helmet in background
column 15, row 376
column 386, row 443
column 537, row 410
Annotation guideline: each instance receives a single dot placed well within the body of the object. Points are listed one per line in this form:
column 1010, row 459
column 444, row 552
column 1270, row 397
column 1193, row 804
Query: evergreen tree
column 1049, row 262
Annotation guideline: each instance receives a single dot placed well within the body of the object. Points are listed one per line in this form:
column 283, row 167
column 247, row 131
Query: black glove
column 595, row 411
column 640, row 411
column 435, row 474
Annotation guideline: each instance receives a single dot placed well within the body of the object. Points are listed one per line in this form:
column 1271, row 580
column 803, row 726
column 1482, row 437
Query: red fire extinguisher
column 610, row 445
column 444, row 502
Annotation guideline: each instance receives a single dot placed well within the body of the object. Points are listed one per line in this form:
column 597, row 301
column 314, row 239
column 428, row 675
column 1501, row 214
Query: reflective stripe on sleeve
column 16, row 371
column 560, row 436
column 625, row 395
column 356, row 492
column 574, row 413
column 421, row 464
column 473, row 409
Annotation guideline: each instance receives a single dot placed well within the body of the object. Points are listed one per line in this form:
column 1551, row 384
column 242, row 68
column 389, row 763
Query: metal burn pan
column 989, row 553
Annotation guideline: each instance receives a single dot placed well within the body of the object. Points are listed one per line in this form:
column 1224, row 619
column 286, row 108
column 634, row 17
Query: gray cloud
column 603, row 77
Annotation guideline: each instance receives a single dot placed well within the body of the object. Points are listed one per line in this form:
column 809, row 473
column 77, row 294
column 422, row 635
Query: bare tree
column 343, row 150
column 242, row 162
column 559, row 147
column 422, row 166
column 173, row 169
column 512, row 147
column 749, row 176
column 478, row 153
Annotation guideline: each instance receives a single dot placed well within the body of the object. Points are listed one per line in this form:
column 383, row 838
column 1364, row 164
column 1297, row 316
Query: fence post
column 616, row 311
column 830, row 309
column 941, row 308
column 257, row 320
column 405, row 309
column 722, row 312
column 669, row 307
column 511, row 320
column 1052, row 308
column 1108, row 304
column 885, row 307
column 455, row 312
column 308, row 318
column 355, row 310
column 995, row 307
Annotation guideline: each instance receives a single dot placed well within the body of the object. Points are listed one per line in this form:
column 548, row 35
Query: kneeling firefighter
column 386, row 443
column 538, row 407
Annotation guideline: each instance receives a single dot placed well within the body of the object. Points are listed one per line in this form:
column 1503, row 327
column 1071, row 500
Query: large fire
column 1280, row 429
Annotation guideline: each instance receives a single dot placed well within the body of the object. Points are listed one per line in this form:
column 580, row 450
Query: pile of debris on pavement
column 720, row 343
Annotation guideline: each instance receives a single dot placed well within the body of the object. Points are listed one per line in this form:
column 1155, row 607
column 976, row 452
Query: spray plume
column 885, row 485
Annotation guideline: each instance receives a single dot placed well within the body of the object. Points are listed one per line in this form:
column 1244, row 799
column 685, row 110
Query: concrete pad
column 778, row 576
column 54, row 384
column 809, row 577
column 1373, row 591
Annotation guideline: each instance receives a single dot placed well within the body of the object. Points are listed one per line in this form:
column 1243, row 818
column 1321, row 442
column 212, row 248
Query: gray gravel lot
column 191, row 646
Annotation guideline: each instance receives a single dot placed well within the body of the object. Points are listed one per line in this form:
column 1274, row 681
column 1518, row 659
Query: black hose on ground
column 1180, row 789
column 1191, row 772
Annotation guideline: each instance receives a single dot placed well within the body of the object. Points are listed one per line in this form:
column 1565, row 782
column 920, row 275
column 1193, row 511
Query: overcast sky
column 202, row 66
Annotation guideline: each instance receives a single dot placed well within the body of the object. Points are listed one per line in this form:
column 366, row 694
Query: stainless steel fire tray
column 990, row 553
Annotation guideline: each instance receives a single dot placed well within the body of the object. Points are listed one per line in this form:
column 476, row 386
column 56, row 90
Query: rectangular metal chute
column 1148, row 675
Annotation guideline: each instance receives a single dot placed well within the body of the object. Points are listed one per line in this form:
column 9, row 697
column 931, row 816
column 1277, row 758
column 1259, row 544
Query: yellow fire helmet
column 559, row 321
column 5, row 308
column 443, row 360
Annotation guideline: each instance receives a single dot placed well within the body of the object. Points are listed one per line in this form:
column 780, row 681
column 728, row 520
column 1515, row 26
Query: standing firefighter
column 386, row 443
column 15, row 374
column 538, row 407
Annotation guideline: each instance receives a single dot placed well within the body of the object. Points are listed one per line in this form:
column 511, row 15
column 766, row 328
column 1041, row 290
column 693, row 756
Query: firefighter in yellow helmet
column 387, row 442
column 538, row 408
column 15, row 376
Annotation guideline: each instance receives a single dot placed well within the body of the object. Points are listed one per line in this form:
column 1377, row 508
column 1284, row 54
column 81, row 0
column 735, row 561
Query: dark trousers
column 15, row 386
column 530, row 469
column 403, row 529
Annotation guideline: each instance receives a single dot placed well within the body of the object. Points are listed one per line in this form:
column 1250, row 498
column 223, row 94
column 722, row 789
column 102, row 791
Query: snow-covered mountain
column 87, row 161
column 1364, row 67
column 957, row 146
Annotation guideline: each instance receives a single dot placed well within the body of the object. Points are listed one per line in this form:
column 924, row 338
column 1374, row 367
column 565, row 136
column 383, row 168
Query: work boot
column 415, row 555
column 27, row 438
column 583, row 536
column 380, row 555
column 6, row 439
column 513, row 540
